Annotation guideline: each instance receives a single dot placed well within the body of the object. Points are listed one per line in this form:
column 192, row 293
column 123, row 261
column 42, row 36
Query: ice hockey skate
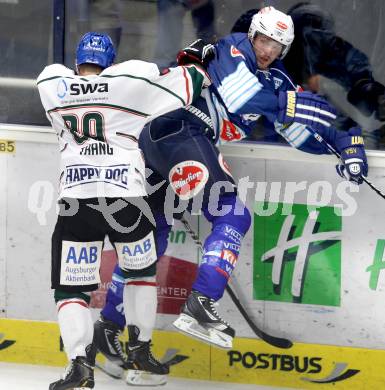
column 143, row 368
column 79, row 375
column 200, row 319
column 106, row 340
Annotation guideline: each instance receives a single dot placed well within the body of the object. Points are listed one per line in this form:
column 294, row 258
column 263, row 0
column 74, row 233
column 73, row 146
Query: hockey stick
column 319, row 138
column 272, row 340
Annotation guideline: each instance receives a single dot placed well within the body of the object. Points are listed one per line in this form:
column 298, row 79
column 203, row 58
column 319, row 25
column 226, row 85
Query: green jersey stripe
column 55, row 77
column 197, row 80
column 147, row 81
column 102, row 105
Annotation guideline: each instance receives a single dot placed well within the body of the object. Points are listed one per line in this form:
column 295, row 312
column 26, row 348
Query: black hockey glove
column 354, row 164
column 368, row 96
column 306, row 108
column 197, row 52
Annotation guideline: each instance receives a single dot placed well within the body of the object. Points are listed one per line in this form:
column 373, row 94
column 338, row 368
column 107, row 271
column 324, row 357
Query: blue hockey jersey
column 241, row 92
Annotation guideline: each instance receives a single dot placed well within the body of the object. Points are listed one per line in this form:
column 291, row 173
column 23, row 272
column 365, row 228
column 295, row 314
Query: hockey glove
column 368, row 96
column 354, row 164
column 197, row 52
column 306, row 108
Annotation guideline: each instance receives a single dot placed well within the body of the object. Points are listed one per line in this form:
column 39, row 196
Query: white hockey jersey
column 98, row 120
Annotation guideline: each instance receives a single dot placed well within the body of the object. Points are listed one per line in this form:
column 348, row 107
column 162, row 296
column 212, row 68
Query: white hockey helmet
column 274, row 24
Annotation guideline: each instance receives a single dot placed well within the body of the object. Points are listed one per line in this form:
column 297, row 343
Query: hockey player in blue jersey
column 248, row 81
column 318, row 51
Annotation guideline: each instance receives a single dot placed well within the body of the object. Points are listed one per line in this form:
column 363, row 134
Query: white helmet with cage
column 274, row 24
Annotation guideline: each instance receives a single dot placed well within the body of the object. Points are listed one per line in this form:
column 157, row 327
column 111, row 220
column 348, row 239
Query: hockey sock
column 221, row 250
column 222, row 246
column 140, row 304
column 113, row 309
column 76, row 326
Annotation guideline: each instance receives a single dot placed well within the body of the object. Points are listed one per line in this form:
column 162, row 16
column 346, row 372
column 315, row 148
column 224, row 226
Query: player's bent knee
column 236, row 215
column 137, row 256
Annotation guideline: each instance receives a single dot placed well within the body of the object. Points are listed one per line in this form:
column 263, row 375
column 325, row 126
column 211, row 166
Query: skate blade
column 144, row 378
column 110, row 368
column 81, row 388
column 211, row 336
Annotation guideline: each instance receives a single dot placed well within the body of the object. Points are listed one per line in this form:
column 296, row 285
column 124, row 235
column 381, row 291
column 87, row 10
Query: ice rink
column 30, row 377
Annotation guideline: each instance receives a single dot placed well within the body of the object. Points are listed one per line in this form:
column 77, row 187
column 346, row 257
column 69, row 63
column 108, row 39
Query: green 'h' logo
column 297, row 257
column 378, row 265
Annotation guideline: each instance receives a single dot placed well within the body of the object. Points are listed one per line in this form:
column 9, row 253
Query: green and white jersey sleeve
column 98, row 120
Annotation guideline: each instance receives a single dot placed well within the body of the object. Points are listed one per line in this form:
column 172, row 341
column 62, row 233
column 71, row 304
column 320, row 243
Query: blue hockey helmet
column 95, row 48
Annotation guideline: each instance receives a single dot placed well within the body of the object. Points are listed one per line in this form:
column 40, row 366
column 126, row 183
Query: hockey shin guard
column 76, row 326
column 221, row 249
column 140, row 303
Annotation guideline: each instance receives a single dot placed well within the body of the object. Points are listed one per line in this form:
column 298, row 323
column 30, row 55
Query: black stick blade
column 278, row 342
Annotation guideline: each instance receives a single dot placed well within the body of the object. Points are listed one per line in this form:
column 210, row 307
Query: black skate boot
column 200, row 319
column 106, row 340
column 143, row 368
column 79, row 375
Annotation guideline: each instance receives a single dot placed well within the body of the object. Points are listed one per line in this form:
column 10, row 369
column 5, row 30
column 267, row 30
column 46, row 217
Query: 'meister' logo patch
column 188, row 178
column 282, row 25
column 235, row 52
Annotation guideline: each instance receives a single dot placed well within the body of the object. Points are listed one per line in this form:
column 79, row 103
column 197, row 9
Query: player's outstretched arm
column 175, row 88
column 348, row 146
column 184, row 82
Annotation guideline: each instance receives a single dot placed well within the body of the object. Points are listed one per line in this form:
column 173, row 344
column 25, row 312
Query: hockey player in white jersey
column 98, row 113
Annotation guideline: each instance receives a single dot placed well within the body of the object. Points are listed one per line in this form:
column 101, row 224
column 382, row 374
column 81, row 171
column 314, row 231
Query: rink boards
column 325, row 290
column 304, row 366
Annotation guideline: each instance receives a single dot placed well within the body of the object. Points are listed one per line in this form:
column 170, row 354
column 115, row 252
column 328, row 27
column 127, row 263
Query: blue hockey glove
column 306, row 108
column 197, row 52
column 354, row 164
